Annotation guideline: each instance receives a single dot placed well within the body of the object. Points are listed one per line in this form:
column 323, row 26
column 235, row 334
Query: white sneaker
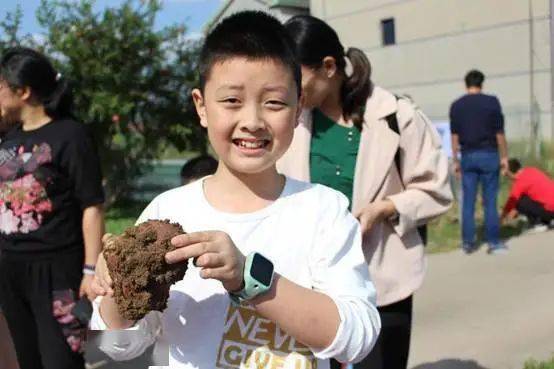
column 539, row 228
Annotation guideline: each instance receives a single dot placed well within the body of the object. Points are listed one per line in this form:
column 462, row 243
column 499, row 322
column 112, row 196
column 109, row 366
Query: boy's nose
column 252, row 120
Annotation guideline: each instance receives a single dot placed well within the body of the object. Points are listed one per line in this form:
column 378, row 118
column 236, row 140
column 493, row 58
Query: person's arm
column 519, row 188
column 336, row 318
column 498, row 125
column 502, row 151
column 311, row 317
column 81, row 162
column 455, row 139
column 341, row 285
column 126, row 339
column 107, row 308
column 93, row 229
column 125, row 344
column 424, row 169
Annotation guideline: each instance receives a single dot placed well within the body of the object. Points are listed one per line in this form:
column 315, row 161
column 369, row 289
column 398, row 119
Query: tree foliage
column 131, row 81
column 9, row 29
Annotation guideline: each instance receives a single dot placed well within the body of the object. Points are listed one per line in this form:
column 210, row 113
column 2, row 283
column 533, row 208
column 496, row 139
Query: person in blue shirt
column 477, row 130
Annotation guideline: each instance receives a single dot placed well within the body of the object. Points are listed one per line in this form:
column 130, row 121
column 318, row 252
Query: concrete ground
column 484, row 311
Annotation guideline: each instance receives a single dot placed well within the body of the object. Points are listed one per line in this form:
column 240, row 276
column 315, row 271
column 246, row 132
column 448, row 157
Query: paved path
column 486, row 312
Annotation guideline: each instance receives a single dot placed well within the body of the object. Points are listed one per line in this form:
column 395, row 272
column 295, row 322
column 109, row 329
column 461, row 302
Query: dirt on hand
column 136, row 261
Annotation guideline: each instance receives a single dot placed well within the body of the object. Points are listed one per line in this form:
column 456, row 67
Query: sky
column 194, row 13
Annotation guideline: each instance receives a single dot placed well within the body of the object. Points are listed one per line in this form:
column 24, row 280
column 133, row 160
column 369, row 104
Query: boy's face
column 250, row 108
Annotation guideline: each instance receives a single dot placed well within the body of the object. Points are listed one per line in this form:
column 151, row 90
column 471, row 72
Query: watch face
column 262, row 269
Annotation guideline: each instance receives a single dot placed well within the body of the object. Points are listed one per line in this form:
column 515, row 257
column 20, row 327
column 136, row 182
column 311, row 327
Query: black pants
column 534, row 211
column 31, row 286
column 393, row 345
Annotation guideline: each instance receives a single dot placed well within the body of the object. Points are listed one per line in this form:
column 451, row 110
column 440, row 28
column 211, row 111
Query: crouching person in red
column 532, row 195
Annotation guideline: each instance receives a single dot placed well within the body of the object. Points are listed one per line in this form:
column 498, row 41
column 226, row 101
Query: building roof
column 304, row 4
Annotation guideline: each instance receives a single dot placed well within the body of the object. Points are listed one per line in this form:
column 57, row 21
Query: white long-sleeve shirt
column 312, row 240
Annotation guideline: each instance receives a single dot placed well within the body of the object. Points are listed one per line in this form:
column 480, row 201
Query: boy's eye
column 230, row 101
column 276, row 104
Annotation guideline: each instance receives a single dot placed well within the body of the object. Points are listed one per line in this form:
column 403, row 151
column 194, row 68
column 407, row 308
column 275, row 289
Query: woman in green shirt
column 381, row 153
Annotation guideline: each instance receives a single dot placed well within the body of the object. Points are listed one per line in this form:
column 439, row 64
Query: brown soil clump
column 136, row 260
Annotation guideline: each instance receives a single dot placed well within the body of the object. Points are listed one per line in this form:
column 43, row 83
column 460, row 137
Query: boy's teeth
column 251, row 145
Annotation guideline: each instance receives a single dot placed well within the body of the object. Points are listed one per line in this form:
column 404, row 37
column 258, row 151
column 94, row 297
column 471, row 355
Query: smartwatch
column 258, row 277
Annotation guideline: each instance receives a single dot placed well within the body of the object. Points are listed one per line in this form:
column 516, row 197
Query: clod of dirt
column 136, row 261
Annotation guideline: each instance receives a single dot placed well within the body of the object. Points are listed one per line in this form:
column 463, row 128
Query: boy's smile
column 251, row 146
column 250, row 108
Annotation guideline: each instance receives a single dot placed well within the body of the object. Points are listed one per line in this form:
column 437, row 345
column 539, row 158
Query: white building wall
column 438, row 41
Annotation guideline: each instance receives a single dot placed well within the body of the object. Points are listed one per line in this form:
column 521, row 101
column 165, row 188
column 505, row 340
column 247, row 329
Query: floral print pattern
column 23, row 199
column 73, row 330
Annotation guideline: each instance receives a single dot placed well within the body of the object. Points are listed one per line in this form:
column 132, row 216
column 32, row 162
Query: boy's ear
column 200, row 105
column 330, row 66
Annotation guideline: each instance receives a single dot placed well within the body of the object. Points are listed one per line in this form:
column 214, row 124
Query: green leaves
column 131, row 81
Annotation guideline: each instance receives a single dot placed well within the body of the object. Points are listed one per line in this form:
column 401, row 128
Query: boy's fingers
column 187, row 239
column 97, row 289
column 213, row 273
column 209, row 260
column 107, row 237
column 191, row 251
column 107, row 288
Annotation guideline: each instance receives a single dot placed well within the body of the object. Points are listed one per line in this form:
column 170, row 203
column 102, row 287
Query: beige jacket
column 394, row 252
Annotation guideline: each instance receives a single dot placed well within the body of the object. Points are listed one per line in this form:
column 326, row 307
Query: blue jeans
column 480, row 167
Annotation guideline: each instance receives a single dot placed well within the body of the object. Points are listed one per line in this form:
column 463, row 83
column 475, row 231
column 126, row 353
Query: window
column 387, row 30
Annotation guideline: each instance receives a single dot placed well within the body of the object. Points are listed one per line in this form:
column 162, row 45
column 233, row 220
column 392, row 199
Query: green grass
column 445, row 232
column 123, row 214
column 534, row 364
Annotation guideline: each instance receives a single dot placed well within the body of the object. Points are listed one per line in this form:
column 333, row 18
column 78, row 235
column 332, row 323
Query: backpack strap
column 392, row 121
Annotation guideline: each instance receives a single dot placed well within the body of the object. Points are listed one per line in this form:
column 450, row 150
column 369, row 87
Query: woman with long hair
column 379, row 151
column 51, row 218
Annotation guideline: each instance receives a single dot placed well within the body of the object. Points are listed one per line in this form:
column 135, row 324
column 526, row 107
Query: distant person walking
column 477, row 128
column 532, row 195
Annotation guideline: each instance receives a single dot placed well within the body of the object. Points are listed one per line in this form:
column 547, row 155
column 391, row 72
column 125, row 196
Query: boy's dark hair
column 474, row 78
column 514, row 165
column 316, row 40
column 198, row 167
column 251, row 34
column 24, row 67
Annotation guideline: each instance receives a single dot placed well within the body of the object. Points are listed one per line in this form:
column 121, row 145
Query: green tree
column 9, row 29
column 131, row 82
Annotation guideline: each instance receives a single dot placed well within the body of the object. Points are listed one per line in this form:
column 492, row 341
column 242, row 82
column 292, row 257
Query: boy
column 197, row 167
column 295, row 241
column 532, row 195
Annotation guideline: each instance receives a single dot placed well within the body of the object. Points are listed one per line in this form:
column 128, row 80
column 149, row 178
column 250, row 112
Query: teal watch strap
column 258, row 278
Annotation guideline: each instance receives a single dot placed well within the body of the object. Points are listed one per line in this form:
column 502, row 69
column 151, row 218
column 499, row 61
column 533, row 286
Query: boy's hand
column 215, row 253
column 102, row 282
